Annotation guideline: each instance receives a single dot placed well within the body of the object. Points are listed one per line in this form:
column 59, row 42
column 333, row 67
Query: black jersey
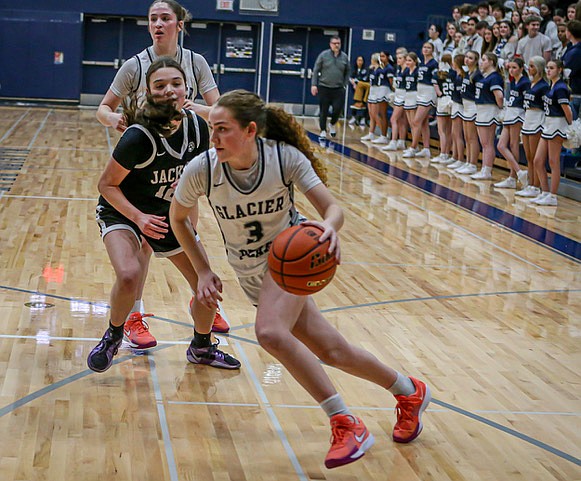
column 155, row 162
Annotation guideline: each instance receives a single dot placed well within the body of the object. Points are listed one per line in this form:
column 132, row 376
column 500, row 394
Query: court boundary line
column 11, row 129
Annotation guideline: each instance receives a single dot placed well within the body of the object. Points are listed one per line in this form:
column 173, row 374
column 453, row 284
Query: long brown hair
column 272, row 122
column 157, row 117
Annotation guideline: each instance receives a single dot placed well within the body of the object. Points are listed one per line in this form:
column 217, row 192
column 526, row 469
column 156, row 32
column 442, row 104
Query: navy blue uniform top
column 485, row 87
column 361, row 74
column 398, row 82
column 457, row 92
column 572, row 60
column 469, row 85
column 534, row 95
column 427, row 72
column 411, row 80
column 446, row 84
column 558, row 95
column 517, row 91
column 380, row 76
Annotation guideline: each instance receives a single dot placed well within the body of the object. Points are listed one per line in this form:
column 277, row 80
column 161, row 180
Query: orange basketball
column 299, row 263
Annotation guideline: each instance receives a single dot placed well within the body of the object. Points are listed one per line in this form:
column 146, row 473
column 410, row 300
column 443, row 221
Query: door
column 288, row 65
column 109, row 41
column 204, row 38
column 101, row 56
column 230, row 49
column 294, row 52
column 238, row 57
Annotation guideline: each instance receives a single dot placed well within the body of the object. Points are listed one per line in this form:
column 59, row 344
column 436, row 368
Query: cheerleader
column 399, row 123
column 558, row 116
column 444, row 85
column 384, row 80
column 426, row 99
column 489, row 100
column 533, row 123
column 377, row 97
column 457, row 159
column 410, row 76
column 509, row 142
column 472, row 76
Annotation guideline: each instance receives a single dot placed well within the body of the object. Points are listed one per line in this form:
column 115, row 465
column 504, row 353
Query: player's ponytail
column 272, row 122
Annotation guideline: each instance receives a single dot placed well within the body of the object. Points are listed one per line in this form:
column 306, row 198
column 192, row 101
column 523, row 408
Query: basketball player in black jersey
column 167, row 20
column 136, row 191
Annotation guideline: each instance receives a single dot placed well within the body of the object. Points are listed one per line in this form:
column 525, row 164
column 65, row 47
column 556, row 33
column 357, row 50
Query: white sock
column 138, row 306
column 335, row 405
column 402, row 385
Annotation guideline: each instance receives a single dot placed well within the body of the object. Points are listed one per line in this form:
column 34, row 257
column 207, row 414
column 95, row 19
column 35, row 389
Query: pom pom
column 573, row 135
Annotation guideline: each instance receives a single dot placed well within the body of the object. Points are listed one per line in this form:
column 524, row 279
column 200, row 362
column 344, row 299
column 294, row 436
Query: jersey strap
column 154, row 145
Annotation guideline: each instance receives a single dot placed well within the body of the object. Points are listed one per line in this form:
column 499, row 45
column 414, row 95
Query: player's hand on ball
column 328, row 233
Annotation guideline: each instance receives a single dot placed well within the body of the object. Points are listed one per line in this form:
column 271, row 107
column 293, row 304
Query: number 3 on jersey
column 255, row 232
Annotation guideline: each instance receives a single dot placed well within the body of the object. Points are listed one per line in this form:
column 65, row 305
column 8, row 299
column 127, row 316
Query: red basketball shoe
column 136, row 332
column 220, row 324
column 349, row 440
column 409, row 412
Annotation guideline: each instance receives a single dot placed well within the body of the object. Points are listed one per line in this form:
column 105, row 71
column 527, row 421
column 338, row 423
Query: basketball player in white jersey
column 260, row 154
column 136, row 189
column 166, row 20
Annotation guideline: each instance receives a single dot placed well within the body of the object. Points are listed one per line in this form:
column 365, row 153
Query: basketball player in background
column 260, row 153
column 133, row 210
column 166, row 20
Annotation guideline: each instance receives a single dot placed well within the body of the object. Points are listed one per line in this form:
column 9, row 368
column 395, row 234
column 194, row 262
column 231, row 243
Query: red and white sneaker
column 409, row 411
column 349, row 440
column 220, row 324
column 136, row 332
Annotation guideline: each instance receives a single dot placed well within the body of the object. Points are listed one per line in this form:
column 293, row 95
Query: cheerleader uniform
column 488, row 111
column 411, row 89
column 515, row 111
column 457, row 107
column 446, row 86
column 468, row 96
column 427, row 73
column 534, row 108
column 398, row 85
column 555, row 123
column 379, row 80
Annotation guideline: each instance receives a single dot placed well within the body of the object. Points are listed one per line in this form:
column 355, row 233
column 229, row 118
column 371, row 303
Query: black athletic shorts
column 109, row 220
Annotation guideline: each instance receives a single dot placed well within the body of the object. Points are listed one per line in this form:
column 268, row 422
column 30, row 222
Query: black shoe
column 211, row 356
column 101, row 357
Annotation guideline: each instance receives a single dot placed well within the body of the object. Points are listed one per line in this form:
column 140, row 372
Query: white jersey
column 130, row 79
column 251, row 206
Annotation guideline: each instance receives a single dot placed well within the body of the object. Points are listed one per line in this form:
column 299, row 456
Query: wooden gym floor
column 443, row 278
